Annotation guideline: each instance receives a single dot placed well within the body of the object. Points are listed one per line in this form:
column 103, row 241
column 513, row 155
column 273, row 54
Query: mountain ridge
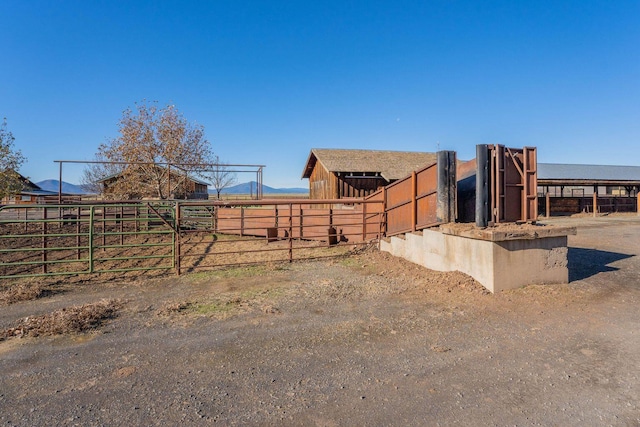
column 54, row 185
column 242, row 188
column 250, row 187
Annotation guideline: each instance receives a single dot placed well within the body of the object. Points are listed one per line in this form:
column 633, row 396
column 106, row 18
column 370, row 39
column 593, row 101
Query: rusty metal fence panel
column 273, row 231
column 424, row 199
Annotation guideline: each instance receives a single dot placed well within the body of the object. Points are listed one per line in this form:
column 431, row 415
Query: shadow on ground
column 584, row 263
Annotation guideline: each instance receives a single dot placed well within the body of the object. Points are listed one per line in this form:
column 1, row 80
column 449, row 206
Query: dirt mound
column 67, row 320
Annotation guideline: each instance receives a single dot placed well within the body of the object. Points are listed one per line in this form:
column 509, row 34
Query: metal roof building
column 555, row 174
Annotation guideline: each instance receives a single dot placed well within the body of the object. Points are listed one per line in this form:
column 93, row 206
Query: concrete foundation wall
column 496, row 265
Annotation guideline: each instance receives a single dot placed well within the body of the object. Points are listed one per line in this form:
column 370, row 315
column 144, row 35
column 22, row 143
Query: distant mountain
column 67, row 188
column 250, row 188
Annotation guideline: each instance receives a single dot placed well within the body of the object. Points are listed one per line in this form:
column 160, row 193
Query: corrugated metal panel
column 588, row 172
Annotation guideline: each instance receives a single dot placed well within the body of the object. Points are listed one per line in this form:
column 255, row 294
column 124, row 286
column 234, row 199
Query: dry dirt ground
column 366, row 339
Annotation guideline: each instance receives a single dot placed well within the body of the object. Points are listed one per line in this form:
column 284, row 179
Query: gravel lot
column 366, row 339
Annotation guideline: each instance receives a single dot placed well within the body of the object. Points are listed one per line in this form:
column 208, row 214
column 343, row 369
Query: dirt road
column 363, row 340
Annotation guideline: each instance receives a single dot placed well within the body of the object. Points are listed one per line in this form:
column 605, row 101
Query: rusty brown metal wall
column 411, row 203
column 513, row 184
column 356, row 223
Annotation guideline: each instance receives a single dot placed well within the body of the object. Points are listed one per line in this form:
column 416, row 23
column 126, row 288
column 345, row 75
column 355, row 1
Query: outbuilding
column 575, row 188
column 342, row 173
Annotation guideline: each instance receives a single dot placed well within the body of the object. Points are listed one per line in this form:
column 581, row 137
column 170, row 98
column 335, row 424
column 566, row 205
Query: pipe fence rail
column 112, row 237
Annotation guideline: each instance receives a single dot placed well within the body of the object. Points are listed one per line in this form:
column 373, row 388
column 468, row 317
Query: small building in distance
column 137, row 185
column 566, row 180
column 30, row 194
column 343, row 173
column 573, row 188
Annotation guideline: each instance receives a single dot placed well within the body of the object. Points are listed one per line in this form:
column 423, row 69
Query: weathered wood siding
column 359, row 187
column 322, row 183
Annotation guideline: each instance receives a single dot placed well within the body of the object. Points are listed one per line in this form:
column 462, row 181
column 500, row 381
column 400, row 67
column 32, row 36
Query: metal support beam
column 447, row 187
column 482, row 185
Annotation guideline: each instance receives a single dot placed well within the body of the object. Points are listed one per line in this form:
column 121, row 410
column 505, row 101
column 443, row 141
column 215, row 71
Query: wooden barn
column 341, row 173
column 30, row 194
column 136, row 184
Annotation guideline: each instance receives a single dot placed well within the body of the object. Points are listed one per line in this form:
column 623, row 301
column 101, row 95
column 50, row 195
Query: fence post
column 414, row 204
column 78, row 228
column 121, row 225
column 44, row 240
column 241, row 220
column 301, row 222
column 91, row 235
column 383, row 218
column 547, row 204
column 104, row 227
column 275, row 221
column 364, row 222
column 176, row 240
column 595, row 202
column 290, row 232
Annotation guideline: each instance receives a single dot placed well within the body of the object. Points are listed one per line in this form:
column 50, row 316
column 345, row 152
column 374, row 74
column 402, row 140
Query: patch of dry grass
column 24, row 291
column 68, row 320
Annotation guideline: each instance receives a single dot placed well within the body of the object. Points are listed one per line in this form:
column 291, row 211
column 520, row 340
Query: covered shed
column 572, row 188
column 30, row 193
column 567, row 179
column 339, row 173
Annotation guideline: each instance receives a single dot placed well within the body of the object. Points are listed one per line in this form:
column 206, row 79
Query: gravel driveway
column 366, row 339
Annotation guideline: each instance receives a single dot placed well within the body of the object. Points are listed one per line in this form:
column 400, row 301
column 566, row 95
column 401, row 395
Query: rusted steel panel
column 427, row 211
column 399, row 193
column 427, row 181
column 413, row 203
column 513, row 184
column 399, row 220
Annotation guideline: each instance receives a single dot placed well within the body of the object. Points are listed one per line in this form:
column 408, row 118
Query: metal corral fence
column 572, row 205
column 46, row 240
column 424, row 199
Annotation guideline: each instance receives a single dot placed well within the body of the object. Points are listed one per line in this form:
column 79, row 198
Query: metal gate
column 46, row 240
column 506, row 184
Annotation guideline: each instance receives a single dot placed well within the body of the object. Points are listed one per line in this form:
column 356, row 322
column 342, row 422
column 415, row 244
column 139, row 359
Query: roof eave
column 309, row 165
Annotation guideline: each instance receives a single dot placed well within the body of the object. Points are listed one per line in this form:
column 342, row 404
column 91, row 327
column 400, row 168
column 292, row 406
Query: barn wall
column 322, row 183
column 359, row 187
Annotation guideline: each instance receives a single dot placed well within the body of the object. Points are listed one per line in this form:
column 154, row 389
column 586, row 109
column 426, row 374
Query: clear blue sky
column 270, row 80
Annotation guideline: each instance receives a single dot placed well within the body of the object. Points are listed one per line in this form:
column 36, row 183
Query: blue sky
column 270, row 80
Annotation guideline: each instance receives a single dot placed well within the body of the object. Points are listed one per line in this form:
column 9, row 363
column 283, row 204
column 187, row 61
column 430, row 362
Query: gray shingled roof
column 557, row 171
column 391, row 165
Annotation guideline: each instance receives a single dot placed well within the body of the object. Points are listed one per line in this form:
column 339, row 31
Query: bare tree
column 148, row 136
column 10, row 161
column 220, row 176
column 95, row 174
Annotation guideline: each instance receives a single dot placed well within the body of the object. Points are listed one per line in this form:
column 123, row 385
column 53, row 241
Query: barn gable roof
column 391, row 165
